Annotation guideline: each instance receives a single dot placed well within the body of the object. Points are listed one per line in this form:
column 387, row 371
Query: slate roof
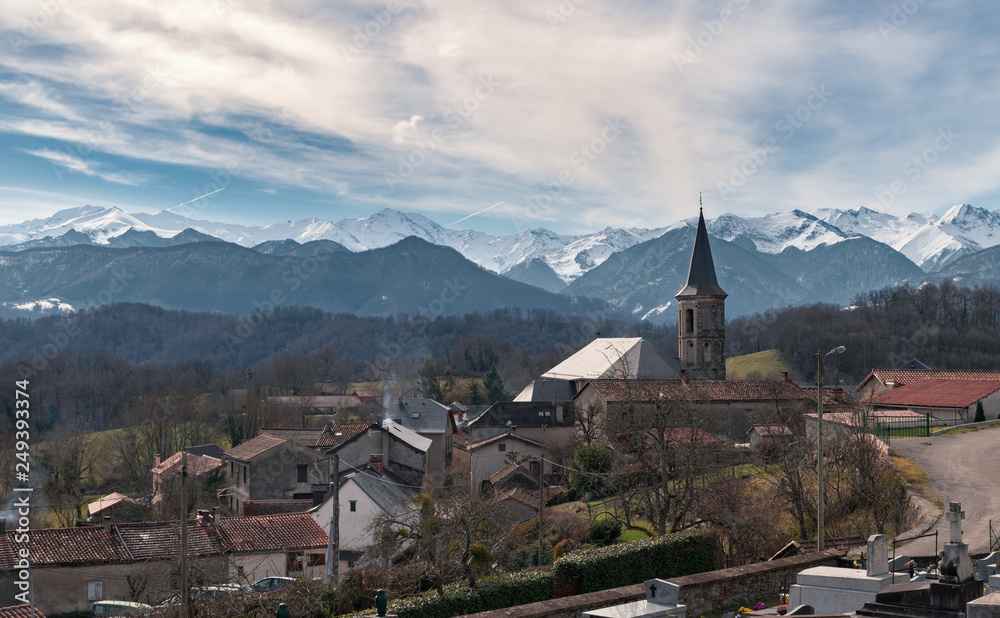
column 133, row 542
column 909, row 376
column 548, row 390
column 198, row 465
column 701, row 274
column 107, row 502
column 20, row 611
column 245, row 451
column 939, row 393
column 612, row 358
column 421, row 415
column 698, row 391
column 212, row 450
column 521, row 414
column 387, row 491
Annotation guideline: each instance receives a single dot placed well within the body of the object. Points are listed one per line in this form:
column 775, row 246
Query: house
column 952, row 401
column 548, row 423
column 320, row 440
column 364, row 495
column 602, row 358
column 399, row 449
column 769, row 432
column 724, row 408
column 838, row 426
column 117, row 506
column 318, row 404
column 270, row 468
column 73, row 567
column 479, row 461
column 523, row 505
column 882, row 380
column 432, row 420
column 203, row 462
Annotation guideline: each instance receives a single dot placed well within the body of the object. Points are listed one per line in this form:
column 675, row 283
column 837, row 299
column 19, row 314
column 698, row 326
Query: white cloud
column 64, row 161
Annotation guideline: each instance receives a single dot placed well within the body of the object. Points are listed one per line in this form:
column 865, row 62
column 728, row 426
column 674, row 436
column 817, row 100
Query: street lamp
column 819, row 439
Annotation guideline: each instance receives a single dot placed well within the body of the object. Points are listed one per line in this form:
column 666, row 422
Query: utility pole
column 819, row 452
column 541, row 507
column 333, row 542
column 184, row 537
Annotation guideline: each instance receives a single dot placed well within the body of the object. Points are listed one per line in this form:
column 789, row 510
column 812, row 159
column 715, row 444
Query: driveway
column 962, row 467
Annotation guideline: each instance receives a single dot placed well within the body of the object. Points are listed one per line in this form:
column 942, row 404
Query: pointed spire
column 701, row 275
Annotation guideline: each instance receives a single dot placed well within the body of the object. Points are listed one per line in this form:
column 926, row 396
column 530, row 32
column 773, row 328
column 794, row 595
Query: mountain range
column 775, row 260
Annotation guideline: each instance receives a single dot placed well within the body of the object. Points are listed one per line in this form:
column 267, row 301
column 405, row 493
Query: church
column 616, row 373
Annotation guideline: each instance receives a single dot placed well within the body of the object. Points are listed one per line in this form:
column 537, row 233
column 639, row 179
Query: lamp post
column 819, row 446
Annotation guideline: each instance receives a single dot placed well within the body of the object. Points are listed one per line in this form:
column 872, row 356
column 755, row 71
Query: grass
column 915, row 477
column 760, row 365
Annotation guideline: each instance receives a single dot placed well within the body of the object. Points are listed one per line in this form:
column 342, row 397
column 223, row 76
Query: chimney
column 686, row 377
column 215, row 515
column 3, row 527
column 204, row 517
column 156, row 460
column 890, row 384
column 838, row 394
column 319, row 494
column 385, row 446
column 107, row 524
column 559, row 413
column 376, row 462
column 784, row 376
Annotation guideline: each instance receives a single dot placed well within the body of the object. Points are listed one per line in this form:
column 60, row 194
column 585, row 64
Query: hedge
column 490, row 593
column 624, row 564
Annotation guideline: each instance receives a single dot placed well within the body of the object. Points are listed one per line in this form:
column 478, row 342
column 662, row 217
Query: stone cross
column 955, row 515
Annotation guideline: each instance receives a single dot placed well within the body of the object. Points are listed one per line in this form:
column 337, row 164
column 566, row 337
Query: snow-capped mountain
column 775, row 233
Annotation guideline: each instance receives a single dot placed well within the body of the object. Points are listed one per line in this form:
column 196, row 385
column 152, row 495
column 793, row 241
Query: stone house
column 270, row 468
column 204, row 466
column 478, row 462
column 548, row 423
column 434, row 421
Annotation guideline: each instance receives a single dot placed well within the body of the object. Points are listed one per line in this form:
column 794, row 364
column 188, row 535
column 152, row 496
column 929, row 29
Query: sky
column 571, row 115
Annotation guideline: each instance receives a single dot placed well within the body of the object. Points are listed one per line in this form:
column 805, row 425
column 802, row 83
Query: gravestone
column 878, row 555
column 661, row 601
column 956, row 565
column 985, row 563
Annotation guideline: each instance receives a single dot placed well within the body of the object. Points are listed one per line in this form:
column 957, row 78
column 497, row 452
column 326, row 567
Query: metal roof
column 632, row 357
column 407, row 436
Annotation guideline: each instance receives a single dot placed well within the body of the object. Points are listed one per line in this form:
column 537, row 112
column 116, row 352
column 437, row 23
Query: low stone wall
column 702, row 593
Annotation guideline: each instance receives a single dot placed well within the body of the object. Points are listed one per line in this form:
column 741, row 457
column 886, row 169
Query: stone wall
column 702, row 593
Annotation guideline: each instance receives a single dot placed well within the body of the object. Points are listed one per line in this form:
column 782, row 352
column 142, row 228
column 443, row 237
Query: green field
column 759, row 365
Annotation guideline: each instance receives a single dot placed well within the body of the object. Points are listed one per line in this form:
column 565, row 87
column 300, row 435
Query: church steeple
column 701, row 316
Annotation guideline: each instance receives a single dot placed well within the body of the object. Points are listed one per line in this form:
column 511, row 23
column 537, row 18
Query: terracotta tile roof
column 939, row 393
column 90, row 545
column 107, row 502
column 162, row 539
column 305, row 437
column 697, row 391
column 519, row 495
column 504, row 436
column 336, row 434
column 246, row 451
column 688, row 435
column 198, row 465
column 19, row 611
column 909, row 376
column 272, row 533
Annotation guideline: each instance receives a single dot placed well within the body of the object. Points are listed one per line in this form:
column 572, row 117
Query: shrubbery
column 623, row 564
column 490, row 593
column 604, row 531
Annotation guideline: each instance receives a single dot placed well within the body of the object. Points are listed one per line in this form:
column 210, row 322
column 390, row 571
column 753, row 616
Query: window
column 245, row 474
column 689, row 321
column 502, row 447
column 354, row 506
column 302, row 473
column 533, row 466
column 95, row 591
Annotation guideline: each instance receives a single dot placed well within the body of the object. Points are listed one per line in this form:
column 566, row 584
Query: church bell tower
column 701, row 317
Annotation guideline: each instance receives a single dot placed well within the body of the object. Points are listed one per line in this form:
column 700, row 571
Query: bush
column 490, row 593
column 623, row 564
column 605, row 531
column 980, row 414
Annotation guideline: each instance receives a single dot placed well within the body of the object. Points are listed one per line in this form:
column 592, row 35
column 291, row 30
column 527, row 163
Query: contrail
column 473, row 214
column 207, row 194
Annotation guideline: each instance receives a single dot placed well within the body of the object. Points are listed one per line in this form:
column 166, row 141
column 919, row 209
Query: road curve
column 962, row 467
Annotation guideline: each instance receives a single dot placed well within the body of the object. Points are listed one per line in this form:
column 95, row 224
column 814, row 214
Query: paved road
column 963, row 467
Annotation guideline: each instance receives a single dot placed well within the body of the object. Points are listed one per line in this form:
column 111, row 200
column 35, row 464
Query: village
column 378, row 480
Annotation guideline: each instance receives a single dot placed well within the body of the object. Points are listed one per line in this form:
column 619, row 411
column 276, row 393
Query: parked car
column 120, row 608
column 270, row 584
column 218, row 590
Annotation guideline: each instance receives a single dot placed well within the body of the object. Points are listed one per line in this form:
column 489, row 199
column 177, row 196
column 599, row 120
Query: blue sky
column 575, row 114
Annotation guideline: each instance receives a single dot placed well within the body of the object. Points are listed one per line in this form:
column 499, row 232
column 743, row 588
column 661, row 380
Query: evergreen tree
column 475, row 393
column 429, row 382
column 980, row 413
column 493, row 384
